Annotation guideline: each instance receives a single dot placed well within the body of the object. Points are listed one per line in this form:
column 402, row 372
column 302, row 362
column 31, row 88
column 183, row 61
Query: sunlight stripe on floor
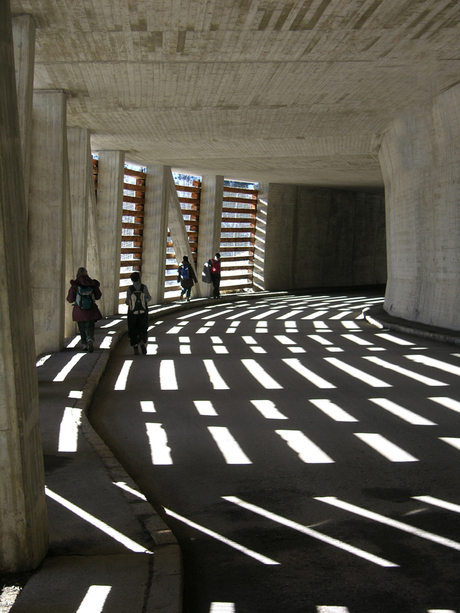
column 222, row 539
column 426, row 361
column 160, row 452
column 259, row 373
column 310, row 532
column 168, row 379
column 68, row 430
column 332, row 410
column 315, row 315
column 216, row 380
column 437, row 502
column 222, row 607
column 228, row 446
column 341, row 315
column 295, row 364
column 399, row 411
column 291, row 314
column 357, row 373
column 407, row 373
column 68, row 367
column 122, row 380
column 268, row 409
column 385, row 447
column 266, row 314
column 357, row 339
column 393, row 523
column 204, row 407
column 326, row 609
column 147, row 406
column 351, row 325
column 319, row 339
column 306, row 449
column 393, row 339
column 454, row 442
column 321, row 326
column 241, row 314
column 95, row 598
column 118, row 536
column 449, row 403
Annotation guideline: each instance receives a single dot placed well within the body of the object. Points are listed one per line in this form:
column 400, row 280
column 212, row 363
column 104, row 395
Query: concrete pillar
column 212, row 193
column 23, row 519
column 258, row 280
column 24, row 58
column 155, row 231
column 109, row 213
column 49, row 230
column 420, row 160
column 178, row 230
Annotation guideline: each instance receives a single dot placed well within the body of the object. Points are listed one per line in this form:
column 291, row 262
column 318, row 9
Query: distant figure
column 186, row 276
column 137, row 298
column 215, row 275
column 83, row 294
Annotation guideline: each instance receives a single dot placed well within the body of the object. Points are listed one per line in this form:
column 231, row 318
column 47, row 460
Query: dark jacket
column 79, row 314
column 191, row 275
column 215, row 266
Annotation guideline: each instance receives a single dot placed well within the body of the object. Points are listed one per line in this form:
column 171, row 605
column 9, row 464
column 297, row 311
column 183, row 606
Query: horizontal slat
column 188, row 188
column 132, row 226
column 134, row 200
column 132, row 187
column 194, row 201
column 240, row 190
column 136, row 262
column 128, row 250
column 249, row 201
column 237, row 240
column 135, row 173
column 245, row 210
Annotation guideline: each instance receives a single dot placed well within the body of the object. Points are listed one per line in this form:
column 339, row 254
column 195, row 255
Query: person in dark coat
column 137, row 299
column 85, row 311
column 215, row 275
column 187, row 278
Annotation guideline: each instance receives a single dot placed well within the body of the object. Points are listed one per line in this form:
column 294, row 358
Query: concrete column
column 48, row 223
column 212, row 193
column 420, row 162
column 258, row 280
column 109, row 214
column 24, row 57
column 23, row 519
column 178, row 230
column 155, row 231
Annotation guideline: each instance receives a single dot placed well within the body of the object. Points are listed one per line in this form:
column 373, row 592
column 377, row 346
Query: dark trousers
column 215, row 285
column 137, row 328
column 86, row 329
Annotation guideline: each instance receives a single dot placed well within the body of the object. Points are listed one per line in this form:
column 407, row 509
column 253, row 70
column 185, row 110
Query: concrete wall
column 319, row 237
column 420, row 159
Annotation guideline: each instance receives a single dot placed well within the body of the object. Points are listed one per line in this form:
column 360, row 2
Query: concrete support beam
column 23, row 519
column 178, row 230
column 49, row 225
column 258, row 281
column 155, row 231
column 24, row 58
column 212, row 193
column 109, row 214
column 420, row 162
column 318, row 237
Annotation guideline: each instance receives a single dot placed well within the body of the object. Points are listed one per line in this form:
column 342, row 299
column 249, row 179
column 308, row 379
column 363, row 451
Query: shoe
column 143, row 347
column 188, row 299
column 90, row 346
column 84, row 348
column 136, row 350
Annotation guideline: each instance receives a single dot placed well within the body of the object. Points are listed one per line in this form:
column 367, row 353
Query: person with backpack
column 186, row 276
column 83, row 294
column 215, row 275
column 137, row 298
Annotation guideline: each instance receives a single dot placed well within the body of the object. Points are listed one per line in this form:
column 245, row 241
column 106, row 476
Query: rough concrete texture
column 420, row 161
column 317, row 237
column 288, row 92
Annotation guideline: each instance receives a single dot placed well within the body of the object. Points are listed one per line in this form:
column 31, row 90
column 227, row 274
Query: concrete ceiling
column 291, row 91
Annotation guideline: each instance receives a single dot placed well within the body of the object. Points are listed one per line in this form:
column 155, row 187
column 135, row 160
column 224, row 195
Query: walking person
column 215, row 275
column 137, row 299
column 83, row 294
column 186, row 276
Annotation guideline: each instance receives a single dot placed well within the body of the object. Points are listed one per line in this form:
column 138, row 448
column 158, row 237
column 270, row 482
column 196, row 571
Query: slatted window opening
column 237, row 240
column 132, row 226
column 188, row 191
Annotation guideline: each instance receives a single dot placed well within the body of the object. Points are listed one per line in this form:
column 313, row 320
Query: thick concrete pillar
column 178, row 230
column 49, row 226
column 24, row 58
column 23, row 520
column 109, row 213
column 420, row 160
column 258, row 280
column 212, row 193
column 155, row 231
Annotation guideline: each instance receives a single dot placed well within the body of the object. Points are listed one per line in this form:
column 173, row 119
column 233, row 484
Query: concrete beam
column 48, row 220
column 212, row 193
column 258, row 281
column 109, row 212
column 23, row 517
column 24, row 58
column 155, row 231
